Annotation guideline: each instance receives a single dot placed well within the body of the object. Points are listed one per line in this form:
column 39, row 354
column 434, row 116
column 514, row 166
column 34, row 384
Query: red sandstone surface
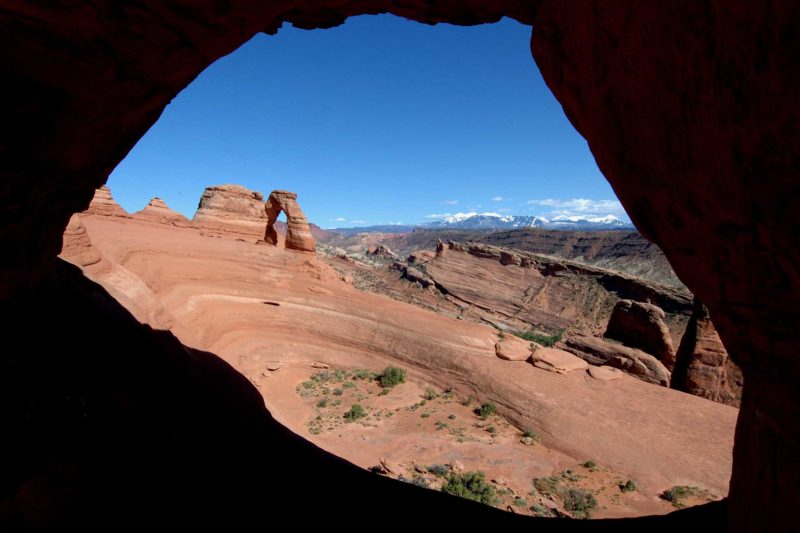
column 261, row 308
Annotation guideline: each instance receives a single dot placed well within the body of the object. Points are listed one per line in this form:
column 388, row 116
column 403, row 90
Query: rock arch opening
column 668, row 128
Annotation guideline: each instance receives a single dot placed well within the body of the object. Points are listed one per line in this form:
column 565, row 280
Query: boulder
column 703, row 367
column 298, row 232
column 631, row 360
column 604, row 373
column 558, row 361
column 643, row 326
column 512, row 348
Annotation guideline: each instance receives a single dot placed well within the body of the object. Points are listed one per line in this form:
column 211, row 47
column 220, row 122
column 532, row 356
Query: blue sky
column 380, row 120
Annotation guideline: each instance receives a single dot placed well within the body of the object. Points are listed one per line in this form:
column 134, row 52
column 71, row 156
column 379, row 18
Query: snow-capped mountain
column 488, row 221
column 496, row 221
column 579, row 222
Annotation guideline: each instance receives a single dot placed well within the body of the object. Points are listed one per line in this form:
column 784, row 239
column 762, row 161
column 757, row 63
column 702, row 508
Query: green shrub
column 430, row 394
column 472, row 486
column 491, row 429
column 486, row 410
column 337, row 392
column 591, row 465
column 544, row 340
column 548, row 486
column 520, row 502
column 308, row 384
column 580, row 503
column 438, row 470
column 363, row 373
column 678, row 493
column 355, row 412
column 425, row 415
column 392, row 376
column 531, row 434
column 628, row 486
column 322, row 403
column 348, row 385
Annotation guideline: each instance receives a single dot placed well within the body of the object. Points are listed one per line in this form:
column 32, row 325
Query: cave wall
column 688, row 107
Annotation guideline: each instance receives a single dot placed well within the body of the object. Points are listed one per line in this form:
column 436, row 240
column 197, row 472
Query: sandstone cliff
column 232, row 209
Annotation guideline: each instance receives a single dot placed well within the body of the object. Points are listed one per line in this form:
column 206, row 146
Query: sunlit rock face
column 298, row 233
column 689, row 109
column 231, row 209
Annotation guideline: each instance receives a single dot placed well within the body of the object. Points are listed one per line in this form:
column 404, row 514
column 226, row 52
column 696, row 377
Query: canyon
column 278, row 315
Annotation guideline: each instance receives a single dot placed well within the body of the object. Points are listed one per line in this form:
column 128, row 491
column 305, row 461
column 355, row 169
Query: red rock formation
column 231, row 208
column 77, row 247
column 157, row 210
column 703, row 366
column 641, row 325
column 678, row 101
column 103, row 203
column 298, row 234
column 635, row 362
column 512, row 348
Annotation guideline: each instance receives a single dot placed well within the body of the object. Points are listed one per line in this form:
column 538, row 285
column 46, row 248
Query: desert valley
column 546, row 372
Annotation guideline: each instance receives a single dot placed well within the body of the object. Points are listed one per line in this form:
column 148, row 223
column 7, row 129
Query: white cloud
column 439, row 215
column 580, row 206
column 339, row 219
column 358, row 221
column 450, row 202
column 505, row 210
column 498, row 199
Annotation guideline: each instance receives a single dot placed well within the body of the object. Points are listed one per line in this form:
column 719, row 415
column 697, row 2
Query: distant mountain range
column 492, row 221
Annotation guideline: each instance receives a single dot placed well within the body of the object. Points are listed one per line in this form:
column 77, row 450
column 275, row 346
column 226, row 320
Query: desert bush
column 628, row 486
column 438, row 470
column 677, row 493
column 548, row 486
column 322, row 403
column 539, row 338
column 472, row 486
column 486, row 410
column 355, row 412
column 392, row 376
column 531, row 434
column 430, row 394
column 580, row 503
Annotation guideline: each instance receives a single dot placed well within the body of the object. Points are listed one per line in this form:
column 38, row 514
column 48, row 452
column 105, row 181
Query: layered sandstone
column 642, row 325
column 77, row 247
column 528, row 291
column 635, row 362
column 703, row 366
column 233, row 209
column 158, row 211
column 103, row 203
column 298, row 232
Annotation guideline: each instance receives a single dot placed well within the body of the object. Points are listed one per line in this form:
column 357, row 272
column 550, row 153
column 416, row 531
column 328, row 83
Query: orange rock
column 512, row 348
column 298, row 232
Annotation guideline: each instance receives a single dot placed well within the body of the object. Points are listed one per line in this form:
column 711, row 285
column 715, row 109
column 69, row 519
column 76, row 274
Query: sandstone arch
column 298, row 233
column 688, row 107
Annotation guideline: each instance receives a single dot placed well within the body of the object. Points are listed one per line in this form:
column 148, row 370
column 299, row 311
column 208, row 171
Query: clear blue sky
column 380, row 120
